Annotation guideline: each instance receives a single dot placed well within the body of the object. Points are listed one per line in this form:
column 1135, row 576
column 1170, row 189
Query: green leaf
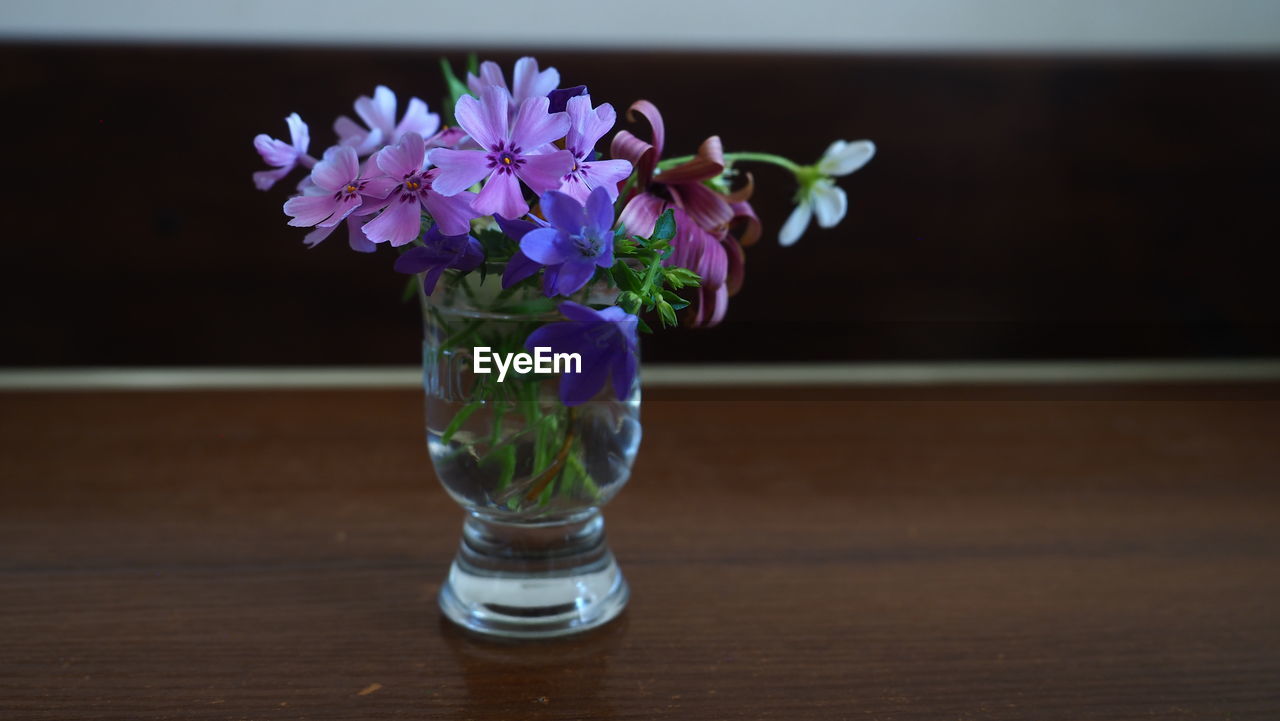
column 665, row 228
column 676, row 301
column 630, row 302
column 456, row 87
column 625, row 277
column 644, row 327
column 455, row 425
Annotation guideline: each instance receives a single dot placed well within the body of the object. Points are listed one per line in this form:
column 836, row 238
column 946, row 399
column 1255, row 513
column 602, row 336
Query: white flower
column 818, row 192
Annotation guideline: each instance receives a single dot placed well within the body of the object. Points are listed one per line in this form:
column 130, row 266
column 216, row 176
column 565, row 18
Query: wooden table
column 878, row 554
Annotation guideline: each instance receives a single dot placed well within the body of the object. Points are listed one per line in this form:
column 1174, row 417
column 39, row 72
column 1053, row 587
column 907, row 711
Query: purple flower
column 579, row 240
column 356, row 238
column 406, row 188
column 586, row 127
column 440, row 252
column 379, row 113
column 509, row 150
column 281, row 155
column 334, row 192
column 560, row 98
column 607, row 343
column 520, row 266
column 528, row 82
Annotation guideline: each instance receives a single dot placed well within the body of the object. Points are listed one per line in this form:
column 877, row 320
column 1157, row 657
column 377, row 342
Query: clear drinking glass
column 530, row 472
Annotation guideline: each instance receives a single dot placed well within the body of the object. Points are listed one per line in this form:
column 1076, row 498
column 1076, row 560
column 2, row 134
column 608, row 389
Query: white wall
column 1157, row 26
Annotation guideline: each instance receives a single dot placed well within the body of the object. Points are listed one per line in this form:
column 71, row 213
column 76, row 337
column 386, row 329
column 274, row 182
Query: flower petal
column 459, row 169
column 299, row 133
column 417, row 119
column 606, row 174
column 707, row 164
column 400, row 223
column 345, row 206
column 623, row 371
column 705, row 206
column 546, row 246
column 264, row 179
column 485, row 120
column 527, row 82
column 535, row 127
column 844, row 157
column 339, row 167
column 309, row 210
column 829, row 203
column 796, row 224
column 405, row 157
column 518, row 268
column 379, row 111
column 563, row 211
column 356, row 239
column 490, row 74
column 544, row 172
column 501, row 195
column 578, row 388
column 315, row 237
column 574, row 274
column 640, row 214
column 452, row 213
column 599, row 213
column 275, row 153
column 587, row 126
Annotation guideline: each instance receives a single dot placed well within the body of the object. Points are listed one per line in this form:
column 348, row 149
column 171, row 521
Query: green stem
column 731, row 158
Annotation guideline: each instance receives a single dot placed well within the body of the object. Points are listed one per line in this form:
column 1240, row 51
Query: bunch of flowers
column 516, row 180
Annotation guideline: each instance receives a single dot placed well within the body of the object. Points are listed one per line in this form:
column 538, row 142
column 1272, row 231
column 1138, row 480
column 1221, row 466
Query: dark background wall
column 1019, row 207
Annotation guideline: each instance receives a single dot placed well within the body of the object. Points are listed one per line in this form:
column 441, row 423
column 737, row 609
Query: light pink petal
column 275, row 153
column 606, row 174
column 308, row 210
column 345, row 207
column 349, row 131
column 501, row 195
column 587, row 125
column 298, row 132
column 490, row 74
column 381, row 186
column 452, row 213
column 356, row 239
column 707, row 164
column 485, row 120
column 707, row 207
column 459, row 169
column 417, row 119
column 339, row 167
column 527, row 82
column 400, row 223
column 737, row 260
column 535, row 127
column 378, row 112
column 316, row 236
column 544, row 172
column 641, row 214
column 264, row 179
column 575, row 187
column 626, row 145
column 405, row 157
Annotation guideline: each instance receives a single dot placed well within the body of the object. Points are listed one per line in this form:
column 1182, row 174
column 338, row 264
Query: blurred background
column 1055, row 180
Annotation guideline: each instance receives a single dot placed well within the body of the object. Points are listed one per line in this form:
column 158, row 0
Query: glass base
column 533, row 580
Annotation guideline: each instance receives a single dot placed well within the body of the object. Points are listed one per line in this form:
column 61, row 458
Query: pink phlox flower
column 510, row 152
column 586, row 126
column 334, row 193
column 282, row 156
column 405, row 186
column 379, row 114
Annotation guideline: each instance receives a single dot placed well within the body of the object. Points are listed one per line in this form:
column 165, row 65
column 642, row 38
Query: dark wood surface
column 1019, row 207
column 263, row 555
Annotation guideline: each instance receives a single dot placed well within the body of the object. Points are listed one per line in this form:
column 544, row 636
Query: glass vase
column 530, row 472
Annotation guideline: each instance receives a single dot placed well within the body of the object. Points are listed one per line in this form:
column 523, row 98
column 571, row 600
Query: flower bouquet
column 537, row 262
